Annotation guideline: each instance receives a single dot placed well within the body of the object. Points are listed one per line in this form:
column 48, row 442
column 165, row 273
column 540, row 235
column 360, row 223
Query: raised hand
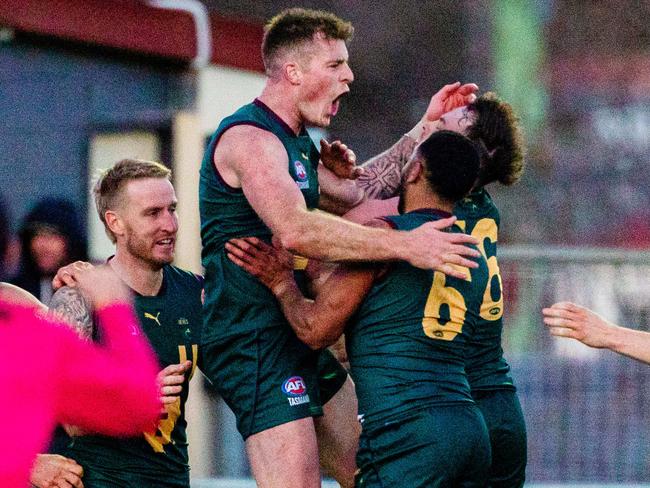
column 339, row 159
column 448, row 98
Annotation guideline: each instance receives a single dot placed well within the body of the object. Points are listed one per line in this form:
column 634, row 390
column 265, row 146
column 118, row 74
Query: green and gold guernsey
column 172, row 322
column 407, row 341
column 235, row 301
column 486, row 367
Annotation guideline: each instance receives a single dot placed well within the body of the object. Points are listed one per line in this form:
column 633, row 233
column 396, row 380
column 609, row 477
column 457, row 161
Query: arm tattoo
column 382, row 175
column 70, row 305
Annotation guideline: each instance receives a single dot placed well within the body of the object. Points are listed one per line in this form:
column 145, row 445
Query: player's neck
column 278, row 98
column 140, row 276
column 416, row 200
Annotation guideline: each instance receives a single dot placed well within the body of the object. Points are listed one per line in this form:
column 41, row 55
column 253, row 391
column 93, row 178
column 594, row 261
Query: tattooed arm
column 382, row 175
column 71, row 306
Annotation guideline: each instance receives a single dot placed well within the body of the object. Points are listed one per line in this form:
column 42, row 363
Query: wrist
column 282, row 286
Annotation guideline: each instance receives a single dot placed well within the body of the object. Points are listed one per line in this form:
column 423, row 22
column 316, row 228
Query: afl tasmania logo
column 294, row 386
column 301, row 172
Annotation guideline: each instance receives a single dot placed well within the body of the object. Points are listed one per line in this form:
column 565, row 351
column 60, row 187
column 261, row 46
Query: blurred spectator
column 4, row 238
column 51, row 236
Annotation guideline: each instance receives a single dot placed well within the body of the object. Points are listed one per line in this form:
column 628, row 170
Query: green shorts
column 440, row 446
column 111, row 478
column 269, row 377
column 505, row 421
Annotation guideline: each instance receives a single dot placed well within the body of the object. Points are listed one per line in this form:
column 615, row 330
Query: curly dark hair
column 497, row 132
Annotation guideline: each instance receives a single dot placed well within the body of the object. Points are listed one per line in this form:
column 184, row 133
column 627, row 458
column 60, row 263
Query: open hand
column 339, row 159
column 272, row 265
column 448, row 98
column 431, row 248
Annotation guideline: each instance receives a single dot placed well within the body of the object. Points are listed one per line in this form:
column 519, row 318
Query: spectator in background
column 4, row 237
column 51, row 236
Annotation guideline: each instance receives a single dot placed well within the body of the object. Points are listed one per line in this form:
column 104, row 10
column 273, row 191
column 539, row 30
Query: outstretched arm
column 566, row 319
column 318, row 322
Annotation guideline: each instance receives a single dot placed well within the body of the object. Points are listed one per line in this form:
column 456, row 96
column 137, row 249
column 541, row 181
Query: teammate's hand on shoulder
column 432, row 248
column 102, row 286
column 339, row 159
column 66, row 276
column 52, row 470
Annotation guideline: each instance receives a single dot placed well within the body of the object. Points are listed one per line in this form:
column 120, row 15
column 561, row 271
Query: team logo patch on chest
column 301, row 175
column 296, row 390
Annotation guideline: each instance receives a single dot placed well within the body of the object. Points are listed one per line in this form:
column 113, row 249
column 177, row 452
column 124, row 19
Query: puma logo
column 147, row 315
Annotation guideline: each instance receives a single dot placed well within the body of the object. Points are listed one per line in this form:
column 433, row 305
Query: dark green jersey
column 486, row 367
column 235, row 301
column 172, row 322
column 406, row 343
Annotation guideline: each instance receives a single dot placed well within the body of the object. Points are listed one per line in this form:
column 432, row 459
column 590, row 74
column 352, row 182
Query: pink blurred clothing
column 51, row 376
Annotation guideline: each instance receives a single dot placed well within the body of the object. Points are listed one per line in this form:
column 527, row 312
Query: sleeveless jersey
column 407, row 342
column 486, row 367
column 235, row 301
column 172, row 322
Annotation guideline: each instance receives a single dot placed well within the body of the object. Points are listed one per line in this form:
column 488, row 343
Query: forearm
column 318, row 235
column 629, row 342
column 301, row 313
column 382, row 175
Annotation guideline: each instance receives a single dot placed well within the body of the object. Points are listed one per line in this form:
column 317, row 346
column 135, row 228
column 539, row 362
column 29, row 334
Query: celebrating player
column 260, row 176
column 137, row 204
column 406, row 331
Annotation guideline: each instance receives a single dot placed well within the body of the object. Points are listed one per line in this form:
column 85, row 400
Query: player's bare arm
column 318, row 322
column 566, row 319
column 317, row 234
column 13, row 294
column 70, row 305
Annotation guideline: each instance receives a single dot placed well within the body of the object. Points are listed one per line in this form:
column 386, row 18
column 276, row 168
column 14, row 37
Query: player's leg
column 268, row 378
column 505, row 420
column 338, row 435
column 285, row 456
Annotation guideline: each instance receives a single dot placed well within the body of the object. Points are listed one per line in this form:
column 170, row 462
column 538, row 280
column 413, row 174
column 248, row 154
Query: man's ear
column 293, row 73
column 414, row 171
column 114, row 222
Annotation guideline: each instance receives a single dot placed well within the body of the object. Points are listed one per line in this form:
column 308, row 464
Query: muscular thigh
column 267, row 377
